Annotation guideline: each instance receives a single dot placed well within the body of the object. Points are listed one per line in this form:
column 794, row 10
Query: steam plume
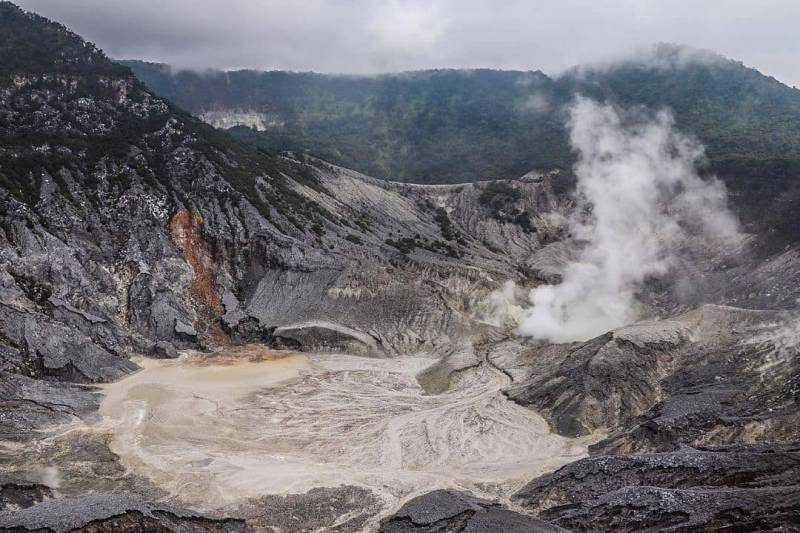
column 639, row 196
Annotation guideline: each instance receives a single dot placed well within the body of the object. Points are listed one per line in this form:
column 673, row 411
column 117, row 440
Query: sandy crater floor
column 217, row 430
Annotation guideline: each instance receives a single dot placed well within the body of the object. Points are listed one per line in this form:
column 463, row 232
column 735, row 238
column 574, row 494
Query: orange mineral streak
column 187, row 233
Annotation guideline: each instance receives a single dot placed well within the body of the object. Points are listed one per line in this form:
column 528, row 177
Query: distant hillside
column 436, row 126
column 459, row 125
column 736, row 111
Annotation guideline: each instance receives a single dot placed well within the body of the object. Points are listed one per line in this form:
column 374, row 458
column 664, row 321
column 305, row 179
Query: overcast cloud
column 371, row 36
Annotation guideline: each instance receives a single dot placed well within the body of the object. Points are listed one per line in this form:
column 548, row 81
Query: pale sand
column 214, row 432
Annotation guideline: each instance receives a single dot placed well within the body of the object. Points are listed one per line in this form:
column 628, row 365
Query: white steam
column 500, row 308
column 51, row 477
column 639, row 198
column 781, row 344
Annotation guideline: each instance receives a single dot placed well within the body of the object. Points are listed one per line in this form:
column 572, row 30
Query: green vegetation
column 448, row 126
column 435, row 126
column 406, row 245
column 317, row 229
column 429, row 127
column 27, row 45
column 91, row 130
column 355, row 239
column 500, row 198
column 36, row 292
column 445, row 225
column 498, row 194
column 737, row 112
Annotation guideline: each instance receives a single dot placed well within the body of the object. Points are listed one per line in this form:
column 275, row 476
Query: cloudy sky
column 370, row 36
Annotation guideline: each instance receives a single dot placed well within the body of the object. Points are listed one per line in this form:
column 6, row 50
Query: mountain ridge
column 422, row 126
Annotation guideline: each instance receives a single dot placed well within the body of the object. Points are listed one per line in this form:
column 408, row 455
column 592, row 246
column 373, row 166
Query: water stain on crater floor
column 215, row 431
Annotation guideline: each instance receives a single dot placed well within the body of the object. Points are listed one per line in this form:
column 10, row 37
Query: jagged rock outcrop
column 110, row 512
column 713, row 391
column 749, row 488
column 700, row 377
column 28, row 406
column 685, row 510
column 443, row 510
column 349, row 507
column 321, row 336
column 18, row 494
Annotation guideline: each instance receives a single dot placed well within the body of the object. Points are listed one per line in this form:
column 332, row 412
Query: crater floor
column 213, row 431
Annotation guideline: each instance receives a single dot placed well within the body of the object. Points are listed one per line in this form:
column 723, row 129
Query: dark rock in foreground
column 347, row 506
column 29, row 405
column 18, row 494
column 738, row 488
column 110, row 512
column 443, row 510
column 685, row 510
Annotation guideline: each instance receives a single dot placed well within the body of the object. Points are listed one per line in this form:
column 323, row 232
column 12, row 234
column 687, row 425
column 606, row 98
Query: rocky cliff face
column 135, row 224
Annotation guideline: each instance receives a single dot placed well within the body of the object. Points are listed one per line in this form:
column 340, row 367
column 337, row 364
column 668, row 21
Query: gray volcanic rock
column 407, row 283
column 443, row 510
column 740, row 466
column 737, row 391
column 17, row 494
column 347, row 506
column 751, row 487
column 322, row 336
column 698, row 377
column 176, row 234
column 40, row 346
column 598, row 383
column 713, row 376
column 164, row 349
column 110, row 512
column 685, row 510
column 60, row 352
column 28, row 406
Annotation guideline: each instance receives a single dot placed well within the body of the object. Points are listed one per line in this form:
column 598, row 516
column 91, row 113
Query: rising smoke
column 639, row 197
column 780, row 346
